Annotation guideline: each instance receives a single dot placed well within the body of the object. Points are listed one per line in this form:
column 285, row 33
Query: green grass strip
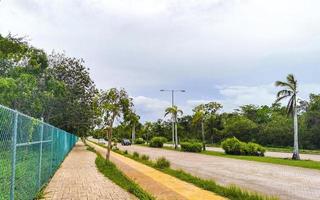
column 232, row 192
column 310, row 164
column 109, row 170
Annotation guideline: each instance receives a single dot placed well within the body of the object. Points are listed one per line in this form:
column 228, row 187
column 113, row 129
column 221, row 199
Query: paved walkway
column 161, row 185
column 289, row 183
column 78, row 178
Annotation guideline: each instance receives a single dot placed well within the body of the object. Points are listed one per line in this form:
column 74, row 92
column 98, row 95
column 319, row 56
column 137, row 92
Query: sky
column 229, row 51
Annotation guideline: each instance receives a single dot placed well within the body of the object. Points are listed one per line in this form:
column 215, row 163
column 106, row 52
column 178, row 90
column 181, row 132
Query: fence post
column 14, row 153
column 40, row 159
column 52, row 130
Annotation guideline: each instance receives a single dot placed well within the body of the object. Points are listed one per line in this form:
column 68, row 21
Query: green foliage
column 113, row 173
column 157, row 142
column 136, row 154
column 191, row 146
column 145, row 157
column 125, row 152
column 55, row 87
column 139, row 141
column 162, row 163
column 234, row 146
column 240, row 127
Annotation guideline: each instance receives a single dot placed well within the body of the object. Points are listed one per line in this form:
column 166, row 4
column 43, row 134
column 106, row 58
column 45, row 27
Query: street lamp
column 174, row 133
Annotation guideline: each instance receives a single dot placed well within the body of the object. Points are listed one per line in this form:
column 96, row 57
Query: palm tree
column 133, row 121
column 174, row 111
column 290, row 91
column 199, row 116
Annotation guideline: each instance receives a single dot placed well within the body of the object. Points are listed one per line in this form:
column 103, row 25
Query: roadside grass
column 231, row 192
column 290, row 149
column 279, row 149
column 310, row 164
column 109, row 170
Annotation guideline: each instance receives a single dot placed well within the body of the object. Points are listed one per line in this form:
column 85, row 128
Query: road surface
column 289, row 183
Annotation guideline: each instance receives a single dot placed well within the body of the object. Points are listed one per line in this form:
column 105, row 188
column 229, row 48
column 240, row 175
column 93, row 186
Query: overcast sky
column 230, row 51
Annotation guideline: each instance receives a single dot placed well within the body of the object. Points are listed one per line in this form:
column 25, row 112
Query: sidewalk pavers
column 78, row 178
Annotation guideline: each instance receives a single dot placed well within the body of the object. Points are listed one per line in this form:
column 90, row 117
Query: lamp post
column 174, row 119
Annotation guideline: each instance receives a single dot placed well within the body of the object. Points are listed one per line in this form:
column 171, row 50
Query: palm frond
column 284, row 93
column 290, row 106
column 281, row 98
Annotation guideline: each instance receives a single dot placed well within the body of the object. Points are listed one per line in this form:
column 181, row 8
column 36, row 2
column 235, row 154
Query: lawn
column 280, row 161
column 279, row 149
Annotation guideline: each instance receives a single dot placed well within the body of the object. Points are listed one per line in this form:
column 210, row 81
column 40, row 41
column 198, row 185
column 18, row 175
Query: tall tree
column 73, row 110
column 133, row 120
column 113, row 104
column 290, row 91
column 174, row 111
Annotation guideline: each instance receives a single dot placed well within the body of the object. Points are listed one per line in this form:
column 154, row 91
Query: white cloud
column 150, row 108
column 146, row 45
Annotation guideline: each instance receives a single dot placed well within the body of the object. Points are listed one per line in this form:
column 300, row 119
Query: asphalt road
column 314, row 157
column 289, row 183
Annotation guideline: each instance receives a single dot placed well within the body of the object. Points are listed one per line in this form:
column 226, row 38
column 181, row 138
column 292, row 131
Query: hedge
column 191, row 146
column 236, row 147
column 139, row 141
column 157, row 142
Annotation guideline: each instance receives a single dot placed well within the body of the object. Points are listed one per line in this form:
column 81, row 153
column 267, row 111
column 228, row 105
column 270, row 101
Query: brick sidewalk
column 78, row 178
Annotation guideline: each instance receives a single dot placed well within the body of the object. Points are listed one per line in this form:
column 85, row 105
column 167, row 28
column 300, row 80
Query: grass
column 109, row 170
column 280, row 149
column 232, row 192
column 310, row 164
column 280, row 161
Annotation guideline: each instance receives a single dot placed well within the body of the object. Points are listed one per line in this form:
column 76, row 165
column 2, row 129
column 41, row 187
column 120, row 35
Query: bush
column 139, row 141
column 234, row 146
column 157, row 142
column 125, row 152
column 191, row 146
column 162, row 163
column 144, row 157
column 255, row 149
column 135, row 154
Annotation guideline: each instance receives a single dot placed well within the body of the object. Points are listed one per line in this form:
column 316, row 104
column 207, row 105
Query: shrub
column 139, row 141
column 135, row 154
column 255, row 149
column 157, row 142
column 191, row 146
column 125, row 152
column 162, row 163
column 144, row 157
column 236, row 147
column 232, row 146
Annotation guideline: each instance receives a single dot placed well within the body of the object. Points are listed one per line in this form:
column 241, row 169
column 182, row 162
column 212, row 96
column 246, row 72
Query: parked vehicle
column 102, row 141
column 125, row 142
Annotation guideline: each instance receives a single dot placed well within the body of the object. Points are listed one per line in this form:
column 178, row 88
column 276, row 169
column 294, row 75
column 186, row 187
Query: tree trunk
column 173, row 135
column 109, row 144
column 133, row 136
column 176, row 134
column 295, row 155
column 203, row 137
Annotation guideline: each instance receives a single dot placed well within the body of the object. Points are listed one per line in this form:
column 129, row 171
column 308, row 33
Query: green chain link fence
column 30, row 153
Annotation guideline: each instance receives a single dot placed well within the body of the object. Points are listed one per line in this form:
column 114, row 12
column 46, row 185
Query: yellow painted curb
column 184, row 189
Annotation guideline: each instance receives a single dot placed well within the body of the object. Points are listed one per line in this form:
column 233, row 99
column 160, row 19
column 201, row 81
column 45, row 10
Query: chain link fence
column 30, row 153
